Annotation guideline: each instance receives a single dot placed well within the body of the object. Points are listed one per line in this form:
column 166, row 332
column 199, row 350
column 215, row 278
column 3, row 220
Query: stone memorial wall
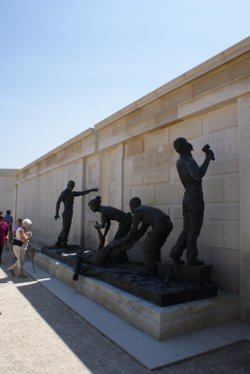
column 131, row 154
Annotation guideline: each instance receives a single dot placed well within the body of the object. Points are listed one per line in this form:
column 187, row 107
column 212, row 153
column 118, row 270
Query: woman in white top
column 23, row 235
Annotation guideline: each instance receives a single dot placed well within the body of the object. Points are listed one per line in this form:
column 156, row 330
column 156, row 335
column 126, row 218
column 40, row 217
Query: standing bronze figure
column 67, row 197
column 193, row 204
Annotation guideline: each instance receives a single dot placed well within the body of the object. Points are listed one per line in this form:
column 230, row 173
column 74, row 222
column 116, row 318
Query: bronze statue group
column 145, row 220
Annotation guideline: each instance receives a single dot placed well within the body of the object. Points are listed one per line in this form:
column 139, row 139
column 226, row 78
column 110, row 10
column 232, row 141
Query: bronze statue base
column 161, row 290
column 199, row 275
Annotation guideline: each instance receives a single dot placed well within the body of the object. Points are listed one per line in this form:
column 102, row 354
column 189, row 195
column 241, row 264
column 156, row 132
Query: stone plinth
column 159, row 322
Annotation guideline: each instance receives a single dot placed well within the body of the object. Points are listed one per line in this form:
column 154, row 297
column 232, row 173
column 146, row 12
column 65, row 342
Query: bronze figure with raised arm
column 67, row 198
column 193, row 203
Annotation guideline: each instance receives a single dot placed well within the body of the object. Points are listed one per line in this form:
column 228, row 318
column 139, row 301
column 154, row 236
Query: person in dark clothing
column 193, row 204
column 67, row 197
column 9, row 220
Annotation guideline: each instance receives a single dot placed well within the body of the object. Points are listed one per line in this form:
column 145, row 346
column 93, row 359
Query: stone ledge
column 158, row 322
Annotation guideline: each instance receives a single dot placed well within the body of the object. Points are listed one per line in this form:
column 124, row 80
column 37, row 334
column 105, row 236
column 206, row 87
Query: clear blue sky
column 65, row 65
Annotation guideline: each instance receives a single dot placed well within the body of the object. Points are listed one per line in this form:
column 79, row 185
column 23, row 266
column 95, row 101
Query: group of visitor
column 16, row 238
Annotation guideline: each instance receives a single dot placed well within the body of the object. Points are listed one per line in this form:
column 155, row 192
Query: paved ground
column 40, row 334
